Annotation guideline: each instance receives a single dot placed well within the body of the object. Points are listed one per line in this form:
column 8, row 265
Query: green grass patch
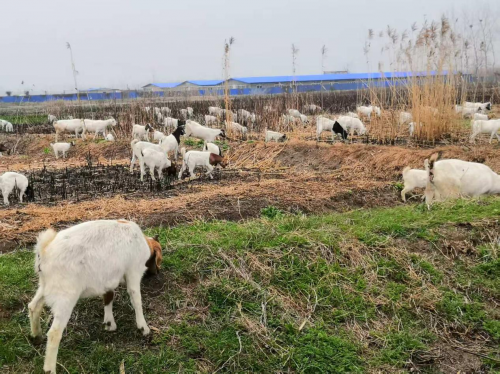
column 283, row 293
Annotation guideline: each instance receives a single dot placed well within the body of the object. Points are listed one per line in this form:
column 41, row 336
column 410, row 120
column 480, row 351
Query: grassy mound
column 364, row 291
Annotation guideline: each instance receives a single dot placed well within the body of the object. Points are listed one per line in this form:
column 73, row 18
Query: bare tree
column 73, row 68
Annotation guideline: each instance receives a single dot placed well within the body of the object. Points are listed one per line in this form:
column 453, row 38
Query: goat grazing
column 455, row 178
column 237, row 128
column 351, row 125
column 326, row 124
column 155, row 159
column 173, row 123
column 86, row 260
column 274, row 135
column 192, row 159
column 11, row 180
column 405, row 117
column 141, row 132
column 171, row 142
column 210, row 120
column 69, row 125
column 97, row 126
column 485, row 127
column 413, row 178
column 196, row 130
column 478, row 106
column 61, row 147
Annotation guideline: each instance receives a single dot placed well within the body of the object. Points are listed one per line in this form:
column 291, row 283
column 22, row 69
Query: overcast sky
column 120, row 43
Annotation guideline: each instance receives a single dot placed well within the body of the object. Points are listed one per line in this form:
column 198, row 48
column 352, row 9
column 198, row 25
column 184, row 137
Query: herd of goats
column 117, row 251
column 152, row 148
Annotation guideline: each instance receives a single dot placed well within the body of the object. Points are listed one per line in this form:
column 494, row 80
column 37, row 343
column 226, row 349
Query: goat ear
column 151, row 264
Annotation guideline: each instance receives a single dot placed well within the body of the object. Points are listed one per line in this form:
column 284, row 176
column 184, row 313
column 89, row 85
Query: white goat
column 485, row 127
column 210, row 120
column 193, row 159
column 455, row 178
column 237, row 128
column 51, row 119
column 351, row 125
column 478, row 106
column 411, row 127
column 61, row 147
column 405, row 117
column 212, row 148
column 311, row 108
column 110, row 137
column 274, row 135
column 141, row 132
column 352, row 114
column 304, row 119
column 97, row 126
column 158, row 135
column 155, row 159
column 86, row 260
column 413, row 178
column 170, row 122
column 365, row 110
column 479, row 116
column 68, row 125
column 190, row 111
column 10, row 180
column 294, row 113
column 326, row 124
column 165, row 110
column 215, row 111
column 138, row 147
column 196, row 130
column 171, row 142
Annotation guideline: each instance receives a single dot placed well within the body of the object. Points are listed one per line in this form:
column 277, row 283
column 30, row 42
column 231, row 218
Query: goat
column 154, row 159
column 86, row 260
column 171, row 142
column 61, row 147
column 294, row 113
column 311, row 108
column 141, row 132
column 110, row 137
column 165, row 110
column 411, row 127
column 215, row 111
column 192, row 159
column 158, row 135
column 479, row 116
column 351, row 125
column 212, row 148
column 326, row 124
column 485, row 127
column 413, row 178
column 97, row 126
column 170, row 122
column 51, row 119
column 274, row 135
column 137, row 148
column 196, row 130
column 70, row 125
column 11, row 180
column 478, row 106
column 210, row 120
column 405, row 117
column 237, row 128
column 352, row 114
column 455, row 178
column 365, row 111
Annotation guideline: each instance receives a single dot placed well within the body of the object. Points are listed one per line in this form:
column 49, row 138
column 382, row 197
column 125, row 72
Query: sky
column 130, row 43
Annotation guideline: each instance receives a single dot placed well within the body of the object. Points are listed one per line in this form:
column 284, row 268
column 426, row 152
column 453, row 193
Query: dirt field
column 295, row 176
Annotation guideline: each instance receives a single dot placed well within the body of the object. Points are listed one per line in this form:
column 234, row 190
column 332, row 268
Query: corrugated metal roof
column 206, row 82
column 163, row 85
column 329, row 77
column 300, row 78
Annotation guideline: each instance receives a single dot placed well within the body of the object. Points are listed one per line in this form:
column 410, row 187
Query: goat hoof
column 37, row 340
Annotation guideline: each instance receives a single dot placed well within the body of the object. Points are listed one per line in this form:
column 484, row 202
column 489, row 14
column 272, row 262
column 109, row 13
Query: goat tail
column 44, row 239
